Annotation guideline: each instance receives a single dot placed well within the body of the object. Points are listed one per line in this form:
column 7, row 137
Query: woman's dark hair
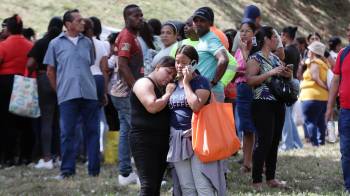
column 146, row 34
column 265, row 31
column 291, row 31
column 166, row 61
column 54, row 28
column 250, row 23
column 334, row 42
column 14, row 24
column 314, row 33
column 172, row 26
column 156, row 26
column 88, row 27
column 28, row 33
column 301, row 40
column 230, row 34
column 180, row 26
column 97, row 26
column 112, row 37
column 189, row 51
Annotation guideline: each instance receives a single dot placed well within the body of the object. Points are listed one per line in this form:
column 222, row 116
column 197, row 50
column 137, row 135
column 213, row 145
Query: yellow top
column 310, row 90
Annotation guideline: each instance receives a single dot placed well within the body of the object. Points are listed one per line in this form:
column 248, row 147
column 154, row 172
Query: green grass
column 326, row 17
column 308, row 171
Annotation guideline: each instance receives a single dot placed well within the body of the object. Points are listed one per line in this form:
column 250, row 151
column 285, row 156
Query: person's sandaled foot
column 258, row 186
column 276, row 184
column 245, row 169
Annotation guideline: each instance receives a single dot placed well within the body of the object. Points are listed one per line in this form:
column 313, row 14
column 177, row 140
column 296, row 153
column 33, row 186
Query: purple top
column 242, row 66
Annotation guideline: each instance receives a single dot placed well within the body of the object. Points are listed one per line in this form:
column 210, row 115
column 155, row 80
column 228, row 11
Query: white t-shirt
column 100, row 49
column 333, row 54
column 74, row 39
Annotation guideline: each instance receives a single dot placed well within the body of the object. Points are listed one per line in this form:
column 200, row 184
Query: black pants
column 149, row 152
column 268, row 117
column 16, row 134
column 49, row 110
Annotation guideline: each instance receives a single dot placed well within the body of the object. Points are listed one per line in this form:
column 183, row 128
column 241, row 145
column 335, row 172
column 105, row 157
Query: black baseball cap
column 204, row 13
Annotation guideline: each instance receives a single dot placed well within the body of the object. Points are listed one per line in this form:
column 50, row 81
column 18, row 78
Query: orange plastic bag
column 214, row 133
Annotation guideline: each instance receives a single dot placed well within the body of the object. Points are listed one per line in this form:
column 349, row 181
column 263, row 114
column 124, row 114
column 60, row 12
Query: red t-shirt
column 13, row 52
column 127, row 45
column 344, row 89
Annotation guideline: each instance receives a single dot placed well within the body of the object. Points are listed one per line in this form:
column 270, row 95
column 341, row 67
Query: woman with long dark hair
column 47, row 96
column 190, row 95
column 268, row 112
column 244, row 98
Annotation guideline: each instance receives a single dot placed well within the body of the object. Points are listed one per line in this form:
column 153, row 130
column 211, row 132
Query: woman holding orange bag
column 190, row 95
column 268, row 112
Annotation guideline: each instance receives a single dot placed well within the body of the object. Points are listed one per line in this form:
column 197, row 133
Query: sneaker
column 138, row 182
column 57, row 162
column 62, row 176
column 44, row 164
column 163, row 183
column 130, row 179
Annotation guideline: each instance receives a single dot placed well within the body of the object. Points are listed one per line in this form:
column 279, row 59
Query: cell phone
column 290, row 66
column 191, row 66
column 254, row 41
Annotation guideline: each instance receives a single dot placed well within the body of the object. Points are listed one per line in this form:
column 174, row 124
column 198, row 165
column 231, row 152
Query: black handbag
column 284, row 89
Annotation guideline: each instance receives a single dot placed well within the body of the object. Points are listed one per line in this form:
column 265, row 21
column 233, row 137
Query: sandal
column 258, row 186
column 276, row 184
column 245, row 169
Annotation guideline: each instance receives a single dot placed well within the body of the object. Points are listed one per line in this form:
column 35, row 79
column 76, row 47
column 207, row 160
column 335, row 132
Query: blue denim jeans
column 314, row 120
column 122, row 105
column 290, row 135
column 70, row 112
column 344, row 134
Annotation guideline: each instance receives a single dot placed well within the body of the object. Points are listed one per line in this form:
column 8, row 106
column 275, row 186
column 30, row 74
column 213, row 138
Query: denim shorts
column 243, row 111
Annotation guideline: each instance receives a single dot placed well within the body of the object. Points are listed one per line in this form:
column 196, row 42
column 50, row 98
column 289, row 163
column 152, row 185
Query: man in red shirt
column 340, row 84
column 128, row 70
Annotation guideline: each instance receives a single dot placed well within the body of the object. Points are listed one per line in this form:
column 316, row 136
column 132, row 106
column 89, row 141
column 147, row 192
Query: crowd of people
column 147, row 81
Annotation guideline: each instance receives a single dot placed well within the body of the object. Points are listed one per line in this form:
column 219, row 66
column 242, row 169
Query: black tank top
column 143, row 122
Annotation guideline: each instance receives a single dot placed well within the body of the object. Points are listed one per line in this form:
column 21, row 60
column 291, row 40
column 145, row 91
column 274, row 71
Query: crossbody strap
column 345, row 52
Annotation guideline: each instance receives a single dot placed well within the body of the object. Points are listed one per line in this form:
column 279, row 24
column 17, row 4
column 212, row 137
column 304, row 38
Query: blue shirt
column 72, row 63
column 180, row 111
column 209, row 45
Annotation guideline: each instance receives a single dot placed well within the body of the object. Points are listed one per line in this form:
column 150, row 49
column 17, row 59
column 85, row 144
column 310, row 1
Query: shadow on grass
column 303, row 174
column 309, row 171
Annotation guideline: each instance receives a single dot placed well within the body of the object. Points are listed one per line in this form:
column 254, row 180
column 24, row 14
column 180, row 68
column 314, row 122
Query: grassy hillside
column 326, row 17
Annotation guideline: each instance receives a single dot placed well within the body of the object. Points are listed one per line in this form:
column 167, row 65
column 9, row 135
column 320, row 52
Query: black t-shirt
column 292, row 56
column 38, row 52
column 143, row 122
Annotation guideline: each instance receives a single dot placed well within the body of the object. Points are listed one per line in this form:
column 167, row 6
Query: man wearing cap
column 340, row 83
column 251, row 12
column 213, row 59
